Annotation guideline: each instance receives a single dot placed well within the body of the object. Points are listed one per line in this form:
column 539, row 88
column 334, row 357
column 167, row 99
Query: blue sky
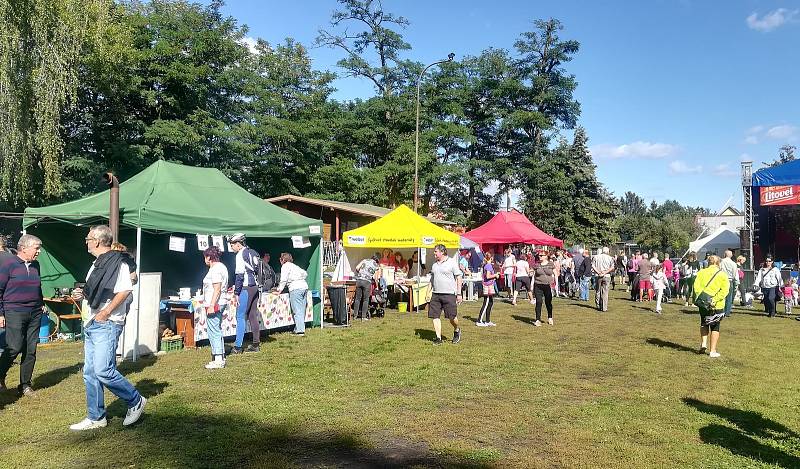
column 674, row 94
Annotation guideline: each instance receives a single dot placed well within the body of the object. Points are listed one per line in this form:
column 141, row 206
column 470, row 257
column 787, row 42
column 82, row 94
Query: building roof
column 360, row 209
column 730, row 211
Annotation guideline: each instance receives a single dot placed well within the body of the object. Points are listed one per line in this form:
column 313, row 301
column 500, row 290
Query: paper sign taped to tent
column 176, row 243
column 299, row 242
column 202, row 242
column 780, row 195
column 219, row 242
column 314, row 229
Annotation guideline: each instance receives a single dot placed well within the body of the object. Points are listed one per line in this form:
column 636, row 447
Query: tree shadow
column 426, row 334
column 146, row 387
column 42, row 381
column 524, row 319
column 129, row 367
column 741, row 440
column 168, row 437
column 672, row 345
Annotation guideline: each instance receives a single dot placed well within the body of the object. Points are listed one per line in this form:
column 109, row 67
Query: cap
column 237, row 238
column 768, row 258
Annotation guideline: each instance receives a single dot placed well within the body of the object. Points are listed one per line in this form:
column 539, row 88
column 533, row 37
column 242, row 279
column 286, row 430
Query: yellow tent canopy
column 400, row 228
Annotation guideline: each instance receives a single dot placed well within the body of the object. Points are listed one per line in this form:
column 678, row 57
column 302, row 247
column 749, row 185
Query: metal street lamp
column 450, row 58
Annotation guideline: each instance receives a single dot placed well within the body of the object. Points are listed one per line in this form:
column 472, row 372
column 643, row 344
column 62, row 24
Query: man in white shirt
column 446, row 285
column 602, row 266
column 731, row 269
column 108, row 285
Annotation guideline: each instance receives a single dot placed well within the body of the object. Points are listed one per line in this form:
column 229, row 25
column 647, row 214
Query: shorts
column 712, row 319
column 523, row 282
column 645, row 285
column 443, row 301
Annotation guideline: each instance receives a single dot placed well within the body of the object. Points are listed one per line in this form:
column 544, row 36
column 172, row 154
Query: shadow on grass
column 524, row 319
column 43, row 381
column 128, row 367
column 741, row 440
column 427, row 334
column 584, row 305
column 672, row 345
column 146, row 387
column 169, row 437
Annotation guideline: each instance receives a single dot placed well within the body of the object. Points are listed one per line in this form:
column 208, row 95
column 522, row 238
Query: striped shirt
column 20, row 286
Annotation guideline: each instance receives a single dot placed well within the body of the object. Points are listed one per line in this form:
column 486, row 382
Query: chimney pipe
column 113, row 209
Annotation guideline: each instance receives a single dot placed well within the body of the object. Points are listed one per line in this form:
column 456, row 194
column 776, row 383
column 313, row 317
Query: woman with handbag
column 769, row 280
column 710, row 291
column 489, row 290
column 542, row 279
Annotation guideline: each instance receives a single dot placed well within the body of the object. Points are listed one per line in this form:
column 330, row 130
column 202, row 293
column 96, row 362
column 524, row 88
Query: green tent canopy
column 164, row 199
column 170, row 197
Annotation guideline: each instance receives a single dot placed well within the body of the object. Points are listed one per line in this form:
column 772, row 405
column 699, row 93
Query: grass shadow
column 524, row 319
column 672, row 345
column 129, row 366
column 584, row 305
column 741, row 437
column 42, row 381
column 426, row 334
column 171, row 437
column 146, row 387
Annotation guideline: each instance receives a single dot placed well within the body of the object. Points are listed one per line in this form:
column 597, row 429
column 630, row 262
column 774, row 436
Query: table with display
column 67, row 312
column 190, row 316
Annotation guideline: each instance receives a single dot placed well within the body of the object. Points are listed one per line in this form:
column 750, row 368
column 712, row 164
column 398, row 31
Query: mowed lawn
column 621, row 389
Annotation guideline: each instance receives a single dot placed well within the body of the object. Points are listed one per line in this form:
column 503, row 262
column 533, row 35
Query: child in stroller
column 377, row 300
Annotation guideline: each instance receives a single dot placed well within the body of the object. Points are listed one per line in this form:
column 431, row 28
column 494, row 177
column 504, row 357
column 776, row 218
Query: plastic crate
column 172, row 345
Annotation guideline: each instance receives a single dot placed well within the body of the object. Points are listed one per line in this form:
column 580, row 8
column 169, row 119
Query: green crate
column 171, row 345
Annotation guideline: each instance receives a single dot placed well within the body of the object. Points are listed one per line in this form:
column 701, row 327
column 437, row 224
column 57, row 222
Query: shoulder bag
column 703, row 299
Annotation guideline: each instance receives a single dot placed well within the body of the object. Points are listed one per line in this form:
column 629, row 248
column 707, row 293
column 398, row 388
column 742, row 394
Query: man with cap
column 245, row 290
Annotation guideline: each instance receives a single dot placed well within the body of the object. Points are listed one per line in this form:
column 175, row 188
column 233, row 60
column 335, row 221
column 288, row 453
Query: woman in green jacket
column 710, row 280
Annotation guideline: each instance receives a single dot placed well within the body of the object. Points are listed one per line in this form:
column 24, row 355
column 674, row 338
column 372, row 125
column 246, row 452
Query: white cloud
column 680, row 167
column 251, row 43
column 724, row 170
column 772, row 20
column 751, row 140
column 745, row 157
column 756, row 129
column 639, row 149
column 783, row 132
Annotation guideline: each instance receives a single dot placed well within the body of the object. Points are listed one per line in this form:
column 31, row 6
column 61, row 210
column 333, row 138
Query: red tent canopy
column 510, row 228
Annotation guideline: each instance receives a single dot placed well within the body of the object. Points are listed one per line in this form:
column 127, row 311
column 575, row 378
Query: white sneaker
column 537, row 323
column 88, row 424
column 713, row 355
column 491, row 324
column 481, row 324
column 215, row 365
column 134, row 413
column 550, row 321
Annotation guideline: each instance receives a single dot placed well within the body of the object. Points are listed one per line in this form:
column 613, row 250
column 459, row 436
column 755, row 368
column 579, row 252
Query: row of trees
column 98, row 85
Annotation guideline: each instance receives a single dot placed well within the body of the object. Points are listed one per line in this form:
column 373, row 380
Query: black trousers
column 770, row 298
column 22, row 335
column 486, row 309
column 361, row 300
column 543, row 293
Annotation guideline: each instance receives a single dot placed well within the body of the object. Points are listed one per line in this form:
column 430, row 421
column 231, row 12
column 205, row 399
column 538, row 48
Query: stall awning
column 787, row 174
column 400, row 228
column 511, row 228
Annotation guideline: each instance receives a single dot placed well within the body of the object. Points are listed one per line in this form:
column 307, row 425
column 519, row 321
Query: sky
column 674, row 93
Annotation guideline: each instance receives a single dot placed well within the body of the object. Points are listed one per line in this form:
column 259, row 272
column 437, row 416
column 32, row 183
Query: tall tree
column 40, row 49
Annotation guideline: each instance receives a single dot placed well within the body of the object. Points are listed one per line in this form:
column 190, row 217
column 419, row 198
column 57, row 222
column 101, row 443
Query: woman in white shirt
column 769, row 280
column 509, row 264
column 294, row 277
column 523, row 278
column 215, row 287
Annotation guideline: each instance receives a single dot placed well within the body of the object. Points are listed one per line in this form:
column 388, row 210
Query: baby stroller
column 377, row 300
column 568, row 283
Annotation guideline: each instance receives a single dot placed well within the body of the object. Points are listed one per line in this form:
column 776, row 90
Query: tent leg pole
column 321, row 290
column 138, row 291
column 419, row 280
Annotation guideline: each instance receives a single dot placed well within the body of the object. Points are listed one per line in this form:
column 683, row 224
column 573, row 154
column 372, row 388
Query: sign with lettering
column 780, row 195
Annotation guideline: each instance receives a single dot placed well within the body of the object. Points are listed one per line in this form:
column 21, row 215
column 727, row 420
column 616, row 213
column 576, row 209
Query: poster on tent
column 219, row 242
column 780, row 195
column 274, row 309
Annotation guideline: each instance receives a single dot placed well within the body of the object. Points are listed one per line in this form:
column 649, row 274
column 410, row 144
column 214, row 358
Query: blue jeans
column 241, row 318
column 297, row 300
column 100, row 368
column 214, row 324
column 729, row 298
column 585, row 288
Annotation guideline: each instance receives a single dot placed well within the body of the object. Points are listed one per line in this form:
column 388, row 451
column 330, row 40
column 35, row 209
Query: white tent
column 717, row 242
column 467, row 243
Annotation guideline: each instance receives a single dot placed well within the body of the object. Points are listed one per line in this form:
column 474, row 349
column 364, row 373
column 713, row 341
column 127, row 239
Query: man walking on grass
column 108, row 285
column 731, row 270
column 446, row 283
column 602, row 266
column 21, row 310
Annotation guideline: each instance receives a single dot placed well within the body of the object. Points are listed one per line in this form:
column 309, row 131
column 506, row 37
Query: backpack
column 262, row 273
column 630, row 264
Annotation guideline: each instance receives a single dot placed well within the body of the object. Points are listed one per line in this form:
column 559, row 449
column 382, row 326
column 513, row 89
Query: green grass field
column 621, row 389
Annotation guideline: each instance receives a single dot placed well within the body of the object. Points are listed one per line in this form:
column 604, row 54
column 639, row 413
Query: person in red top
column 667, row 267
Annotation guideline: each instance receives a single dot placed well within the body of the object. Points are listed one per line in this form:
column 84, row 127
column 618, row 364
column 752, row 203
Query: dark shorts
column 523, row 282
column 442, row 301
column 712, row 319
column 644, row 285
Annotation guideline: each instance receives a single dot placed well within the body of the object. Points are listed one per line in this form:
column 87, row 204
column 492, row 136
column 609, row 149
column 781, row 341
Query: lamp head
column 451, row 56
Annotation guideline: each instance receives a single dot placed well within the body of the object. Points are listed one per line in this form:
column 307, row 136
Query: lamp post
column 450, row 58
